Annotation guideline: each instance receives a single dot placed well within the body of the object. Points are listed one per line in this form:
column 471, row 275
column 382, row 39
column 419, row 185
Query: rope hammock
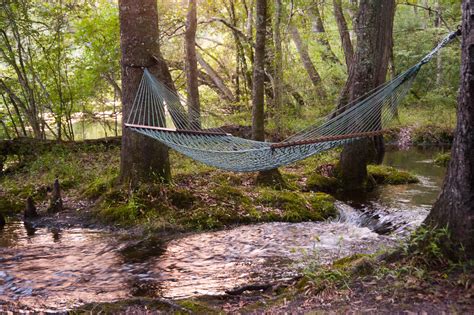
column 158, row 112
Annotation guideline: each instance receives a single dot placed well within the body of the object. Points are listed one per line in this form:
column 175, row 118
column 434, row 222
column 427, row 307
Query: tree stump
column 30, row 210
column 56, row 203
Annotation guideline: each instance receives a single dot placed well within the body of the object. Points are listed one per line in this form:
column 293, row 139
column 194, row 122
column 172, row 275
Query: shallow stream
column 49, row 269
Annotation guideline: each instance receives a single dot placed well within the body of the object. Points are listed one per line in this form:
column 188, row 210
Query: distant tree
column 368, row 70
column 343, row 32
column 191, row 64
column 322, row 38
column 277, row 65
column 142, row 158
column 302, row 49
column 258, row 92
column 455, row 205
column 272, row 177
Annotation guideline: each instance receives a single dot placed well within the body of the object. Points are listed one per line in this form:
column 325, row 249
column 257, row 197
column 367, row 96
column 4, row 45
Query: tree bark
column 455, row 205
column 306, row 60
column 343, row 33
column 439, row 58
column 369, row 69
column 142, row 158
column 277, row 66
column 194, row 105
column 258, row 81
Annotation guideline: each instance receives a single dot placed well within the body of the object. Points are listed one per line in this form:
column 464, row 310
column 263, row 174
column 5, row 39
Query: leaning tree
column 455, row 205
column 142, row 158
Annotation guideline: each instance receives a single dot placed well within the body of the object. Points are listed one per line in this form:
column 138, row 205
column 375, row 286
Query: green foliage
column 432, row 247
column 390, row 175
column 442, row 159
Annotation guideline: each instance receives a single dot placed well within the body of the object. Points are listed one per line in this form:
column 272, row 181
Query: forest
column 236, row 156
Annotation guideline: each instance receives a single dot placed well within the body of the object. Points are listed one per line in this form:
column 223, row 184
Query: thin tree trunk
column 318, row 27
column 7, row 134
column 12, row 119
column 216, row 78
column 455, row 205
column 258, row 93
column 368, row 70
column 439, row 58
column 270, row 177
column 142, row 158
column 278, row 66
column 343, row 33
column 306, row 60
column 194, row 105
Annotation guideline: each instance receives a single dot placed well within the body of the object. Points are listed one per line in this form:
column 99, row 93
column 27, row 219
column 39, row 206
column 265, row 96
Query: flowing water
column 48, row 269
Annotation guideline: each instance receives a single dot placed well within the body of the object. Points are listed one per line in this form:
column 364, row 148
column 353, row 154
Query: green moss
column 231, row 195
column 181, row 198
column 101, row 184
column 324, row 205
column 297, row 207
column 317, row 182
column 442, row 159
column 388, row 175
column 272, row 179
column 197, row 307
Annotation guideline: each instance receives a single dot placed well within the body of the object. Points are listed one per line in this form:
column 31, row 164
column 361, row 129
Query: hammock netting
column 159, row 113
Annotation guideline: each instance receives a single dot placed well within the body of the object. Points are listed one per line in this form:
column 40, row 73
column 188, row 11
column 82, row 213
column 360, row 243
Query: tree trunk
column 278, row 66
column 318, row 27
column 343, row 33
column 142, row 158
column 369, row 69
column 455, row 205
column 216, row 78
column 194, row 105
column 439, row 60
column 306, row 60
column 270, row 177
column 258, row 81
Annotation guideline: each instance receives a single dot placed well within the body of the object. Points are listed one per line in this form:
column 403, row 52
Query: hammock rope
column 159, row 113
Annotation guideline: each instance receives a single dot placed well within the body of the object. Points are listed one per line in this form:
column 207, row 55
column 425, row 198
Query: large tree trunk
column 455, row 205
column 369, row 69
column 194, row 105
column 344, row 33
column 306, row 60
column 142, row 158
